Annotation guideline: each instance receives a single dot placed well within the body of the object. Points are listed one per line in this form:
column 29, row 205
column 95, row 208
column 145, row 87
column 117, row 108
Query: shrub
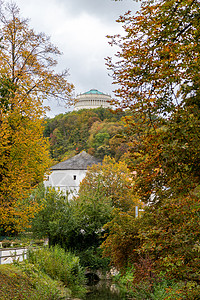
column 159, row 288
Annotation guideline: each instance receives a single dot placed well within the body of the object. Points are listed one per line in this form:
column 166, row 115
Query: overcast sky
column 79, row 29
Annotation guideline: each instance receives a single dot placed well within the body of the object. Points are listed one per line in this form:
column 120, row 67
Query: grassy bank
column 26, row 282
column 47, row 274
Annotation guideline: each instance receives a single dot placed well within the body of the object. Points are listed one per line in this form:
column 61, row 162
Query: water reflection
column 104, row 290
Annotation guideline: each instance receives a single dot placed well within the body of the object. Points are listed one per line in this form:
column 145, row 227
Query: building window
column 74, row 177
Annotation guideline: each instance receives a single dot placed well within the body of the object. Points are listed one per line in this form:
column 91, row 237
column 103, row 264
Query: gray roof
column 77, row 162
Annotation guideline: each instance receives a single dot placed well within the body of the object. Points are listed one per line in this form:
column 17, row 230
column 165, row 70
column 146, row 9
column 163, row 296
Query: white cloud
column 79, row 29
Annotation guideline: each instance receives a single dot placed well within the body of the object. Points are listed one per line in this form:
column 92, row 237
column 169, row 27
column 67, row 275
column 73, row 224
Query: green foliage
column 75, row 225
column 127, row 277
column 7, row 88
column 59, row 265
column 101, row 137
column 159, row 291
column 52, row 217
column 89, row 214
column 92, row 258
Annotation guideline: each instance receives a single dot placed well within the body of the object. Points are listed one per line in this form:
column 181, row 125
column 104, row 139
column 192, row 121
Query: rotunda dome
column 92, row 99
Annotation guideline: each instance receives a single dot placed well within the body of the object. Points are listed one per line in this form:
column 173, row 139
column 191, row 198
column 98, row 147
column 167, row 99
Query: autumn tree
column 27, row 78
column 104, row 188
column 115, row 182
column 122, row 238
column 169, row 235
column 101, row 137
column 157, row 69
column 157, row 72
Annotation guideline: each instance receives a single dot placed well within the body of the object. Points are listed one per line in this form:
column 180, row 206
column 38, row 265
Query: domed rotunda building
column 92, row 99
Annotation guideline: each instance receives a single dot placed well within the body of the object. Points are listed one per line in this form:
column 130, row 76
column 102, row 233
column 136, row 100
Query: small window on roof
column 74, row 177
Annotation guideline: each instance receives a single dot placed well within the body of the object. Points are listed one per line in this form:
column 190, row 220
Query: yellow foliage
column 27, row 61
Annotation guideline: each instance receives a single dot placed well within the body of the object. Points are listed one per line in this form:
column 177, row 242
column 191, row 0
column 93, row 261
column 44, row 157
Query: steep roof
column 78, row 162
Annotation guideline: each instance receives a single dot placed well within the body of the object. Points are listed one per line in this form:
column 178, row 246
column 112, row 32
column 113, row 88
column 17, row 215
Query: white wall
column 65, row 180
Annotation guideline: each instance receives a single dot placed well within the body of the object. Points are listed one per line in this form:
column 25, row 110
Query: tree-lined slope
column 92, row 130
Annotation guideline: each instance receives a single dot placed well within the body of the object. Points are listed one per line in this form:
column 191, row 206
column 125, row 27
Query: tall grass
column 59, row 265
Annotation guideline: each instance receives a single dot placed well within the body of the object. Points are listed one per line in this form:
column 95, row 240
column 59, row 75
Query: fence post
column 0, row 256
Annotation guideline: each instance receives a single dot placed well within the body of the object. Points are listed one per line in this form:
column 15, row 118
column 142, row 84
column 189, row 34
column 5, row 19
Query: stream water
column 104, row 290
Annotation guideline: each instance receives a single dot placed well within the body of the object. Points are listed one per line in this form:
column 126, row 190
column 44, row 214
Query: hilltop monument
column 92, row 99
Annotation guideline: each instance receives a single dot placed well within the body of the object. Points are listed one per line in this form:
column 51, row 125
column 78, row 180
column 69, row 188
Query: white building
column 67, row 175
column 92, row 99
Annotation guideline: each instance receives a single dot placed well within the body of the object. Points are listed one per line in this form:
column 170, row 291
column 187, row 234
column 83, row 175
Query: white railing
column 9, row 255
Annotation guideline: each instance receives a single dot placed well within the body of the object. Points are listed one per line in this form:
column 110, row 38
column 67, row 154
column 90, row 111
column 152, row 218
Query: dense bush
column 156, row 288
column 52, row 220
column 59, row 265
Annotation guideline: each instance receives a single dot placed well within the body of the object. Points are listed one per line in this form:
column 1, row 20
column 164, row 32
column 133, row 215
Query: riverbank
column 27, row 283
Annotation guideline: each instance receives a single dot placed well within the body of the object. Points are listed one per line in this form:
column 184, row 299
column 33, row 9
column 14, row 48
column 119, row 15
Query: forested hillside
column 98, row 131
